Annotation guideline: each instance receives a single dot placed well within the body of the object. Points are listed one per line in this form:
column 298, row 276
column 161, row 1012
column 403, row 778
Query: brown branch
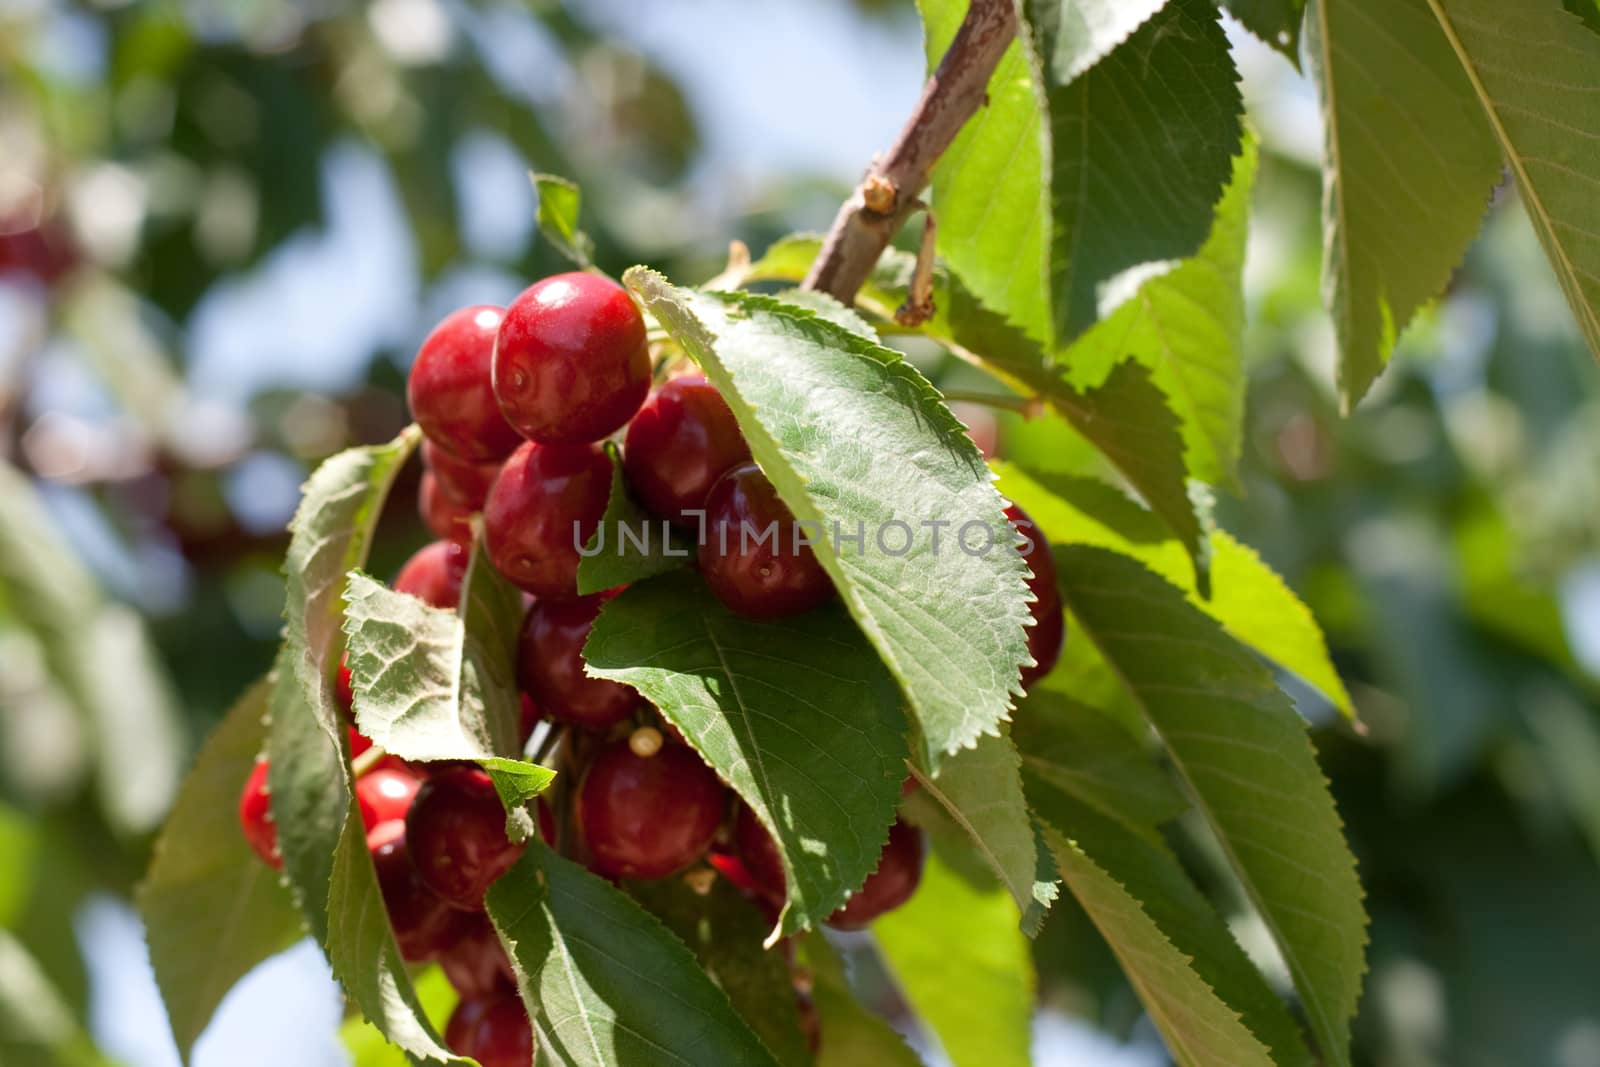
column 888, row 194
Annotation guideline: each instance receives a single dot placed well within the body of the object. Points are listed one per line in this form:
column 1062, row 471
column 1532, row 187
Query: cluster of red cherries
column 514, row 405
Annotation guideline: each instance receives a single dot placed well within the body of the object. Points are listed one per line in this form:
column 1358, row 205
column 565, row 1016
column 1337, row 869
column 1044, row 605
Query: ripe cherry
column 384, row 794
column 476, row 963
column 495, row 1031
column 759, row 853
column 646, row 817
column 445, row 517
column 434, row 573
column 463, row 480
column 888, row 887
column 571, row 364
column 550, row 665
column 450, row 389
column 1036, row 554
column 342, row 690
column 255, row 816
column 359, row 742
column 777, row 576
column 543, row 508
column 529, row 717
column 457, row 828
column 682, row 440
column 424, row 924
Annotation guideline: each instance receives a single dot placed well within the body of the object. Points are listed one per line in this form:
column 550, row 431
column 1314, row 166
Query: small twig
column 918, row 307
column 1026, row 406
column 888, row 194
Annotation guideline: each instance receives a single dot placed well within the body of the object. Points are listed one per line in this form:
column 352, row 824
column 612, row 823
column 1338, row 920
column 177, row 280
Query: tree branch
column 888, row 194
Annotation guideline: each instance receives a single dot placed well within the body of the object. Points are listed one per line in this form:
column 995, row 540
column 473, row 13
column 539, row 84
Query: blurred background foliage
column 225, row 224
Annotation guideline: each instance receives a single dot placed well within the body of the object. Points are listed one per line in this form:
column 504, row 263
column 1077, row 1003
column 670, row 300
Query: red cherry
column 571, row 364
column 683, row 439
column 445, row 517
column 759, row 854
column 423, row 923
column 888, row 887
column 550, row 666
column 530, row 717
column 733, row 869
column 462, row 479
column 385, row 794
column 359, row 742
column 1036, row 554
column 1045, row 639
column 495, row 1031
column 545, row 505
column 450, row 390
column 342, row 690
column 476, row 963
column 458, row 837
column 779, row 576
column 255, row 816
column 648, row 816
column 433, row 574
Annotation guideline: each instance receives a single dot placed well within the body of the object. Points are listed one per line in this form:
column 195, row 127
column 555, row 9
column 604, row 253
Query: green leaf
column 857, row 442
column 1200, row 1030
column 605, row 983
column 1408, row 166
column 516, row 782
column 1536, row 70
column 798, row 715
column 101, row 655
column 988, row 188
column 1187, row 326
column 1276, row 22
column 36, row 1023
column 958, row 956
column 1243, row 752
column 559, row 201
column 1079, row 750
column 852, row 1035
column 1125, row 416
column 1144, row 866
column 725, row 931
column 630, row 544
column 1250, row 599
column 212, row 910
column 1587, row 10
column 1165, row 102
column 320, row 834
column 432, row 684
column 366, row 1045
column 981, row 789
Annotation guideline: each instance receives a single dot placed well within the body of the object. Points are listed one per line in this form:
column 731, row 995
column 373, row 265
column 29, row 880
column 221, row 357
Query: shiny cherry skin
column 758, row 852
column 646, row 817
column 255, row 816
column 450, row 388
column 888, row 887
column 384, row 794
column 476, row 963
column 544, row 506
column 682, row 440
column 495, row 1031
column 1046, row 637
column 457, row 828
column 571, row 365
column 434, row 573
column 1035, row 549
column 550, row 666
column 423, row 923
column 446, row 518
column 463, row 480
column 778, row 577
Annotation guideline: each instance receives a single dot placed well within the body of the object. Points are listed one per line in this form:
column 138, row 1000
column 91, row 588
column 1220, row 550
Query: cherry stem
column 888, row 194
column 1028, row 406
